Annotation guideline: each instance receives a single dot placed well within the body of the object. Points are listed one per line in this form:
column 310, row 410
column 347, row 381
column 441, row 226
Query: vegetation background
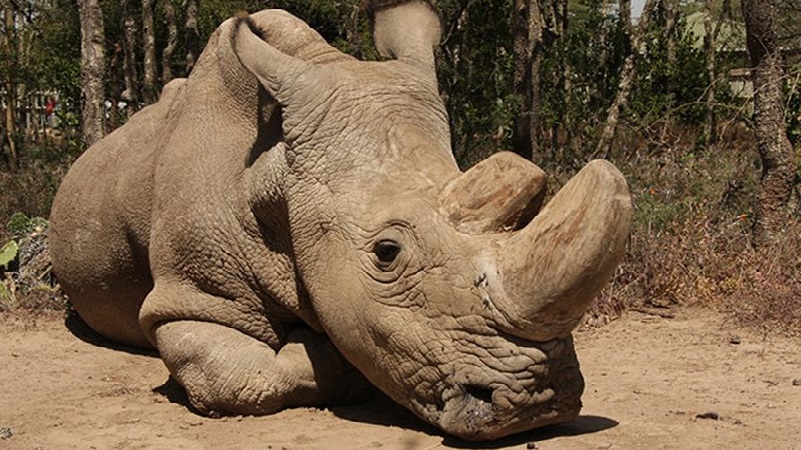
column 676, row 98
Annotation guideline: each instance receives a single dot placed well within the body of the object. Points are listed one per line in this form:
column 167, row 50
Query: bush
column 31, row 188
column 691, row 236
column 26, row 279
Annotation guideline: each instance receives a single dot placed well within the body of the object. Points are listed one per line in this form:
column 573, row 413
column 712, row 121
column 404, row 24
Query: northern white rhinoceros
column 289, row 221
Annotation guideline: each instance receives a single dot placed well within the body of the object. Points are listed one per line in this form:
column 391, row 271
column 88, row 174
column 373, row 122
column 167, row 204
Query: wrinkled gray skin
column 289, row 221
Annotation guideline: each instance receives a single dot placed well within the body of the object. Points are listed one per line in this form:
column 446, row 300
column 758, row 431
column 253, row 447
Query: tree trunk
column 11, row 89
column 191, row 35
column 527, row 29
column 149, row 89
column 710, row 56
column 710, row 49
column 172, row 41
column 352, row 34
column 775, row 151
column 624, row 9
column 671, row 8
column 115, row 88
column 561, row 131
column 131, row 93
column 93, row 70
column 604, row 147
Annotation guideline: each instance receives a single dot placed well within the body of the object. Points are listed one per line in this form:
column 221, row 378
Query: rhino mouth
column 470, row 411
column 480, row 403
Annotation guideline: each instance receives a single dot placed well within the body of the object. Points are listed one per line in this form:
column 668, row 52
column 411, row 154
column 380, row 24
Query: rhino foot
column 226, row 372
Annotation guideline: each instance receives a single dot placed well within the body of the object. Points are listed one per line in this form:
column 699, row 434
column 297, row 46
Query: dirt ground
column 648, row 380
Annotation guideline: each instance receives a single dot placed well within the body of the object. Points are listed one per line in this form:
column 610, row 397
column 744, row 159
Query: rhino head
column 454, row 293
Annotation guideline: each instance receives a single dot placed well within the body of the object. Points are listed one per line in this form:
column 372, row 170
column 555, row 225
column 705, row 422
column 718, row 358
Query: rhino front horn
column 549, row 272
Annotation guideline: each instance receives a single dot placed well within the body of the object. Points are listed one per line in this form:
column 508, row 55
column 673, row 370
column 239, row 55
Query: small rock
column 734, row 340
column 797, row 382
column 5, row 433
column 531, row 445
column 708, row 415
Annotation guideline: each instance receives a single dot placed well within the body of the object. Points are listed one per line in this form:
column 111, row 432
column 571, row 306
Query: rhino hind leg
column 112, row 309
column 104, row 275
column 226, row 372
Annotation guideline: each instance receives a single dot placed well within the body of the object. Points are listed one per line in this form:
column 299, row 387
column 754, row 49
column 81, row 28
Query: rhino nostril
column 479, row 392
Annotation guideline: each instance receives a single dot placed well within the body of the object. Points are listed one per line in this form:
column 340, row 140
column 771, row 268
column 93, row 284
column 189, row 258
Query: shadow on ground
column 383, row 411
column 380, row 410
column 582, row 425
column 175, row 393
column 81, row 330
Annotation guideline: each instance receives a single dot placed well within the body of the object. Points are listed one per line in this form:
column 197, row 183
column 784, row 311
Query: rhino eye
column 386, row 251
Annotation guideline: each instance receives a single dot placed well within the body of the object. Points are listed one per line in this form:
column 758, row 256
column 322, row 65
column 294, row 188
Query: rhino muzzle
column 494, row 404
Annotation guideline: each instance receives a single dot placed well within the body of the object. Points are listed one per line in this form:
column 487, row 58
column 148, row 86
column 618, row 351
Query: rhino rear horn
column 502, row 193
column 405, row 30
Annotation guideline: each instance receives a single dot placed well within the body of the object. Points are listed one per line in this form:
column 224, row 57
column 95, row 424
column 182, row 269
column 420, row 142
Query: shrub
column 690, row 241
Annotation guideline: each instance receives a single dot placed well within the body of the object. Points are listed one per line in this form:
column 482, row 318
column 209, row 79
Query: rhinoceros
column 288, row 226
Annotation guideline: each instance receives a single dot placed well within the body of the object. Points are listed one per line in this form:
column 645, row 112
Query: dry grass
column 691, row 242
column 31, row 188
column 28, row 283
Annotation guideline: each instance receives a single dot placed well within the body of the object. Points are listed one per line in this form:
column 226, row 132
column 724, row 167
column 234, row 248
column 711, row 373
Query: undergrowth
column 30, row 189
column 691, row 237
column 26, row 280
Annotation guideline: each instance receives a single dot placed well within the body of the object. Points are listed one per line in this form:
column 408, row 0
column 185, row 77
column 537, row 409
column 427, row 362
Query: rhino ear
column 407, row 30
column 282, row 75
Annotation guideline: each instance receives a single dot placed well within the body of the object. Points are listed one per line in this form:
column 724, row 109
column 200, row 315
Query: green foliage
column 27, row 281
column 476, row 67
column 580, row 71
column 33, row 185
column 664, row 89
column 45, row 53
column 57, row 53
column 8, row 253
column 580, row 78
column 20, row 225
column 17, row 224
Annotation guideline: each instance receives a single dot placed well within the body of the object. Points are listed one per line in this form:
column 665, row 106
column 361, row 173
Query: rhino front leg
column 225, row 371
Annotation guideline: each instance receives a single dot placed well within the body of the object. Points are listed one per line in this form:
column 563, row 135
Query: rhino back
column 100, row 223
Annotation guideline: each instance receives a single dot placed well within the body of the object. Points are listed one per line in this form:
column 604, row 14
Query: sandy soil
column 648, row 379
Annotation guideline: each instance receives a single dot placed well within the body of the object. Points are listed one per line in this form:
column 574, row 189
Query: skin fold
column 288, row 227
